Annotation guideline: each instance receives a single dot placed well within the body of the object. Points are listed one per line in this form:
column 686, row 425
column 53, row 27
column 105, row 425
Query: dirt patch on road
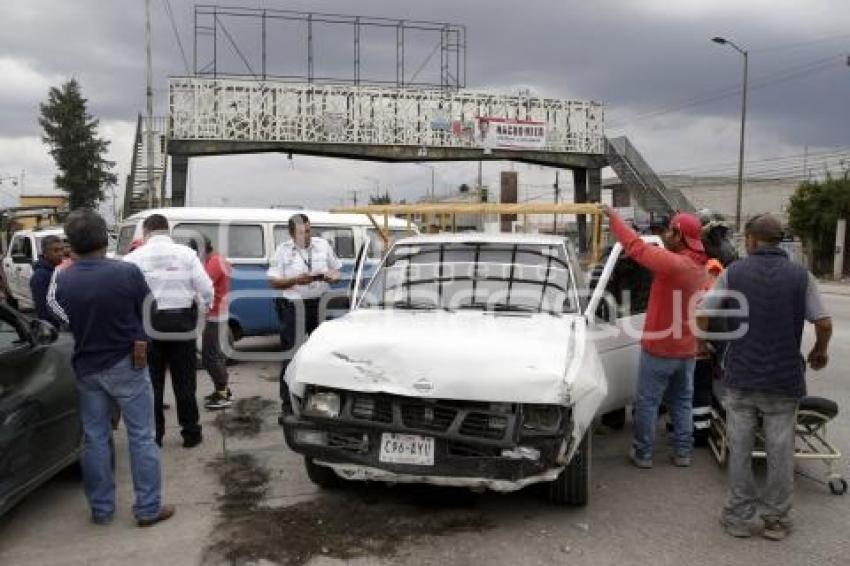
column 244, row 482
column 352, row 522
column 245, row 418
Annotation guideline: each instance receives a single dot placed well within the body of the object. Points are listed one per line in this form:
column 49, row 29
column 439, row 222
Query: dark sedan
column 40, row 431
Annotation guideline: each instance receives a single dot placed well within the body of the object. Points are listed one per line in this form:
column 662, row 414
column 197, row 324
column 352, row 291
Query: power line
column 759, row 82
column 730, row 165
column 170, row 13
column 788, row 46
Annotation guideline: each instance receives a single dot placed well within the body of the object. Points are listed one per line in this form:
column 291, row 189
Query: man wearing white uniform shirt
column 176, row 278
column 303, row 268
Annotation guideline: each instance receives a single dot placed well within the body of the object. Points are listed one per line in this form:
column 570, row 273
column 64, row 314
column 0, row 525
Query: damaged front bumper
column 503, row 447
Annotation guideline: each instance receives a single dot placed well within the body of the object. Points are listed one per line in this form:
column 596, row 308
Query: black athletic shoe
column 214, row 394
column 217, row 401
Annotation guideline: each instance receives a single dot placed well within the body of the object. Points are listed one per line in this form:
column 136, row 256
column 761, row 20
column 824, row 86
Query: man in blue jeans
column 668, row 346
column 101, row 301
column 764, row 373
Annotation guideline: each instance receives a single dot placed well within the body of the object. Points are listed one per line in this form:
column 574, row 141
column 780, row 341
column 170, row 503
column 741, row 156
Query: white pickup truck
column 472, row 360
column 24, row 250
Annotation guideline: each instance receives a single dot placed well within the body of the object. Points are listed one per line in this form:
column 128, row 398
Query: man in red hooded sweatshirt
column 668, row 346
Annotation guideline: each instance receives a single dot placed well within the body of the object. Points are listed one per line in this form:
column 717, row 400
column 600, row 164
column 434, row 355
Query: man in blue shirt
column 52, row 254
column 101, row 301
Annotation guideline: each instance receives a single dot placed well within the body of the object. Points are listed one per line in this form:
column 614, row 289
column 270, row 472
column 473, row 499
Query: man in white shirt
column 176, row 279
column 303, row 268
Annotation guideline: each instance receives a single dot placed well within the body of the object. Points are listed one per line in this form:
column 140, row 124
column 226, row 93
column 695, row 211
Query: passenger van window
column 236, row 241
column 245, row 241
column 341, row 238
column 125, row 238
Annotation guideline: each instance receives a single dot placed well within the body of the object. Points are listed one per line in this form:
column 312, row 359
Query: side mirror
column 43, row 332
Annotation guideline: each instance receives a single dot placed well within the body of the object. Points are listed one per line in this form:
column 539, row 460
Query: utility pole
column 149, row 133
column 354, row 196
column 555, row 215
column 745, row 54
column 806, row 163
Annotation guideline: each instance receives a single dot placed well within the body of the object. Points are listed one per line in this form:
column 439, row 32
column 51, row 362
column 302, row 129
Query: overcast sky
column 650, row 62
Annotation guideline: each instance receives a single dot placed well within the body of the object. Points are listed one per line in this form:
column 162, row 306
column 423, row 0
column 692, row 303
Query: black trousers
column 180, row 357
column 703, row 385
column 294, row 314
column 212, row 357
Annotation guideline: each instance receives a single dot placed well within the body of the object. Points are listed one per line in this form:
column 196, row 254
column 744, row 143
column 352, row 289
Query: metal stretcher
column 812, row 440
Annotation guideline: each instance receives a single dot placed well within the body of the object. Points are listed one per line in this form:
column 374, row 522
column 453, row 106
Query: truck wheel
column 572, row 487
column 322, row 476
column 615, row 420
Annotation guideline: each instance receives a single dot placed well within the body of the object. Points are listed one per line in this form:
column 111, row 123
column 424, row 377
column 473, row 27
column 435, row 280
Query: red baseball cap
column 690, row 227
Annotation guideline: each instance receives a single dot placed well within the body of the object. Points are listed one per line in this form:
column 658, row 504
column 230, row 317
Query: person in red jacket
column 212, row 358
column 668, row 346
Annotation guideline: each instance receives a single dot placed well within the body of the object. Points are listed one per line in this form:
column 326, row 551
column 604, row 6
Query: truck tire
column 572, row 486
column 322, row 476
column 615, row 420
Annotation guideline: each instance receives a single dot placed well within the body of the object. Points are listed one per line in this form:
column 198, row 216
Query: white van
column 248, row 238
column 24, row 250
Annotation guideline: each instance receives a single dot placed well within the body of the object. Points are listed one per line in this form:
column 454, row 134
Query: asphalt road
column 271, row 513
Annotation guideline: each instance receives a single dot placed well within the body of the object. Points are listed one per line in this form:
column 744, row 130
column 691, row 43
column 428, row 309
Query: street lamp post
column 723, row 41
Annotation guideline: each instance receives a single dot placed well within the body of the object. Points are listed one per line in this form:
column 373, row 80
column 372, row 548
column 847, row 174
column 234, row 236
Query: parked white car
column 471, row 360
column 23, row 252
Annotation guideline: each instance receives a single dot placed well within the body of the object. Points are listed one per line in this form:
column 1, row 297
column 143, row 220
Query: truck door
column 18, row 268
column 615, row 314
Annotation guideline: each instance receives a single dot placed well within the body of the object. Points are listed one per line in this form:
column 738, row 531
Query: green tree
column 71, row 134
column 813, row 212
column 381, row 199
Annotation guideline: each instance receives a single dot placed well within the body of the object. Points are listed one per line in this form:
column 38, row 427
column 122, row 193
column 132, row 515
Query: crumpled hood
column 465, row 355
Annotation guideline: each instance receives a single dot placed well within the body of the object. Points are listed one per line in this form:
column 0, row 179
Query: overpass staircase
column 641, row 182
column 137, row 193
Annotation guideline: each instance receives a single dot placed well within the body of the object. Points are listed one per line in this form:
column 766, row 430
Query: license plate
column 406, row 449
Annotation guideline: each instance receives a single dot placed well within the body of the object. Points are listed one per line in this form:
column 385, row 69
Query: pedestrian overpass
column 226, row 116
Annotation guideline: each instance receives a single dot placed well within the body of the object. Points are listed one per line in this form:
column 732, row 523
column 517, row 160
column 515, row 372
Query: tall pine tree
column 71, row 133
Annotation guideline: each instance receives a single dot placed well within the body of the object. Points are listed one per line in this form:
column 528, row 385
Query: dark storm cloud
column 636, row 57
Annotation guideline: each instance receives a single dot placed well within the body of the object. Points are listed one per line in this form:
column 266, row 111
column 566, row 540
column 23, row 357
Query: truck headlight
column 323, row 404
column 541, row 417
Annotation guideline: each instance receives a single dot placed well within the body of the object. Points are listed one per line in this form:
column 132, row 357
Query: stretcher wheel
column 838, row 486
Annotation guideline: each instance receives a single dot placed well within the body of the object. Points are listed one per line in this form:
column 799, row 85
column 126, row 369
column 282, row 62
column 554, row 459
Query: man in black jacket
column 52, row 254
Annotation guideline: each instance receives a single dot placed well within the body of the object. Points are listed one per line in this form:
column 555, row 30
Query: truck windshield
column 487, row 276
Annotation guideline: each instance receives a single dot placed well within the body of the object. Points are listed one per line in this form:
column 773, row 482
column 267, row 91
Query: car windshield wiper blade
column 412, row 305
column 498, row 307
column 514, row 308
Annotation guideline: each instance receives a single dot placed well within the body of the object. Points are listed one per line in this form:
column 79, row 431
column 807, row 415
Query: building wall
column 719, row 194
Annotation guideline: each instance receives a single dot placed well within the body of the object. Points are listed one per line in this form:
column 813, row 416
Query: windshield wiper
column 412, row 305
column 503, row 307
column 514, row 308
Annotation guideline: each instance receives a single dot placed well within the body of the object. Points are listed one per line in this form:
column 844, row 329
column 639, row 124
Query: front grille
column 372, row 408
column 427, row 416
column 473, row 420
column 484, row 425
